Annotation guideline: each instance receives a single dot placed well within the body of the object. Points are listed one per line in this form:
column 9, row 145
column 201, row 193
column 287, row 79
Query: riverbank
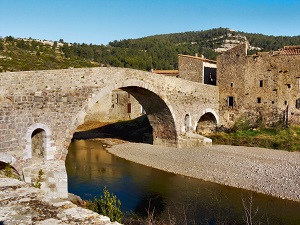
column 271, row 172
column 20, row 203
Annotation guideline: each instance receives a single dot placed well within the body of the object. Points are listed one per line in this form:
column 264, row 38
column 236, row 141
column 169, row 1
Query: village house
column 264, row 87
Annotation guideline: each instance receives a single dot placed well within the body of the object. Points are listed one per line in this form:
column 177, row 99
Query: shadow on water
column 136, row 130
column 152, row 203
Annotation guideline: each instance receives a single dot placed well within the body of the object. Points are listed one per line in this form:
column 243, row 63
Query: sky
column 102, row 21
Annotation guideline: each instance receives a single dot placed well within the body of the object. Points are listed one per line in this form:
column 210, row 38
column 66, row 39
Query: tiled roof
column 290, row 50
column 166, row 72
column 200, row 58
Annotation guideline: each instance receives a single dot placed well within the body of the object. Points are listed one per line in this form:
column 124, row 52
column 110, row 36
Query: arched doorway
column 207, row 124
column 38, row 142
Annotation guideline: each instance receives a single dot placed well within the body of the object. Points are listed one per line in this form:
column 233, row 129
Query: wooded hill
column 153, row 52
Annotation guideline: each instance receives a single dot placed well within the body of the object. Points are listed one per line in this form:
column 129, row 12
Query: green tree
column 9, row 39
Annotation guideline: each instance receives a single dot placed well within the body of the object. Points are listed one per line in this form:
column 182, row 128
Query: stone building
column 115, row 106
column 201, row 70
column 197, row 69
column 264, row 87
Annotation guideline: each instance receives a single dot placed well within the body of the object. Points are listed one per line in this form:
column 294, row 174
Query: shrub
column 241, row 124
column 107, row 205
column 37, row 183
column 8, row 171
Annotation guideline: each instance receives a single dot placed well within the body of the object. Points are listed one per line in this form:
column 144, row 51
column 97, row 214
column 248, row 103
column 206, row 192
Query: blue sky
column 101, row 21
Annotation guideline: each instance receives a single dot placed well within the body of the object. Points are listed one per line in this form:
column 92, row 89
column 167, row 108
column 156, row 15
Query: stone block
column 51, row 180
column 27, row 179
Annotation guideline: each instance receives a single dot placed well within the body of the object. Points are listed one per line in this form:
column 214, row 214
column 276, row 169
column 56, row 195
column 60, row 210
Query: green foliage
column 107, row 205
column 38, row 180
column 242, row 124
column 153, row 52
column 267, row 137
column 8, row 171
column 22, row 55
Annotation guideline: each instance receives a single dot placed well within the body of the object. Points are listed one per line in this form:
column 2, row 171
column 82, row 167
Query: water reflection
column 142, row 189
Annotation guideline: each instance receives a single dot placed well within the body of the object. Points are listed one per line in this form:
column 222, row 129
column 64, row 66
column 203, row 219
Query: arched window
column 187, row 123
column 38, row 143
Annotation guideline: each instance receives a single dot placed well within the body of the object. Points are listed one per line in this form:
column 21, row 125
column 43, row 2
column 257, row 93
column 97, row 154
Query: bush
column 107, row 205
column 38, row 180
column 268, row 137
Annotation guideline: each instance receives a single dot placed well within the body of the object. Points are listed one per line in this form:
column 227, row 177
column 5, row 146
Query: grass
column 274, row 138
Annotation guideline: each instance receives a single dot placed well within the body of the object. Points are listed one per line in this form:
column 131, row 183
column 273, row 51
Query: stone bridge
column 52, row 104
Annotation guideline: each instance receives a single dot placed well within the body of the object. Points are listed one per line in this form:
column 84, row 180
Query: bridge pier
column 190, row 140
column 54, row 179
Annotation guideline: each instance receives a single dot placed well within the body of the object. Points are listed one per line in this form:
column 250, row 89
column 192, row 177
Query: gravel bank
column 267, row 171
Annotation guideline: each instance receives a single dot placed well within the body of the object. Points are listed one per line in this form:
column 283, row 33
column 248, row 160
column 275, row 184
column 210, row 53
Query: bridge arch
column 157, row 107
column 207, row 122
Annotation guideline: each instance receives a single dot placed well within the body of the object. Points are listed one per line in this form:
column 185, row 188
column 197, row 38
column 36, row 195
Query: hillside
column 153, row 52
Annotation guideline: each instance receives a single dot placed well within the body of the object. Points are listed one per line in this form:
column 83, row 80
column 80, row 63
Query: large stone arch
column 156, row 105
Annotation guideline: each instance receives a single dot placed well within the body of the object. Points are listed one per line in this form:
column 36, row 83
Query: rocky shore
column 20, row 203
column 267, row 171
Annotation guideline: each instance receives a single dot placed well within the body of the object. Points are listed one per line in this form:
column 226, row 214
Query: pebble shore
column 267, row 171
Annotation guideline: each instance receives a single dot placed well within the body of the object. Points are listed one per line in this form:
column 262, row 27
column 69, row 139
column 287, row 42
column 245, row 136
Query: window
column 288, row 85
column 117, row 98
column 210, row 76
column 285, row 102
column 231, row 84
column 298, row 103
column 230, row 101
column 258, row 100
column 261, row 83
column 273, row 102
column 187, row 122
column 128, row 107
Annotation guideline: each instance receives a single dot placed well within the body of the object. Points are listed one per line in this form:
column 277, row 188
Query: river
column 142, row 190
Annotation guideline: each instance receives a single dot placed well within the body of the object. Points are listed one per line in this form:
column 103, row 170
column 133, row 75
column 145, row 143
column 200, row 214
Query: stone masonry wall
column 114, row 107
column 264, row 86
column 57, row 101
column 231, row 83
column 192, row 67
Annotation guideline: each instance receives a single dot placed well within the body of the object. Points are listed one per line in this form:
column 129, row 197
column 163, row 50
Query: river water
column 142, row 190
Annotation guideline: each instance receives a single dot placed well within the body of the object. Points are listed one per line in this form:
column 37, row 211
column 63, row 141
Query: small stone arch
column 7, row 158
column 207, row 123
column 39, row 135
